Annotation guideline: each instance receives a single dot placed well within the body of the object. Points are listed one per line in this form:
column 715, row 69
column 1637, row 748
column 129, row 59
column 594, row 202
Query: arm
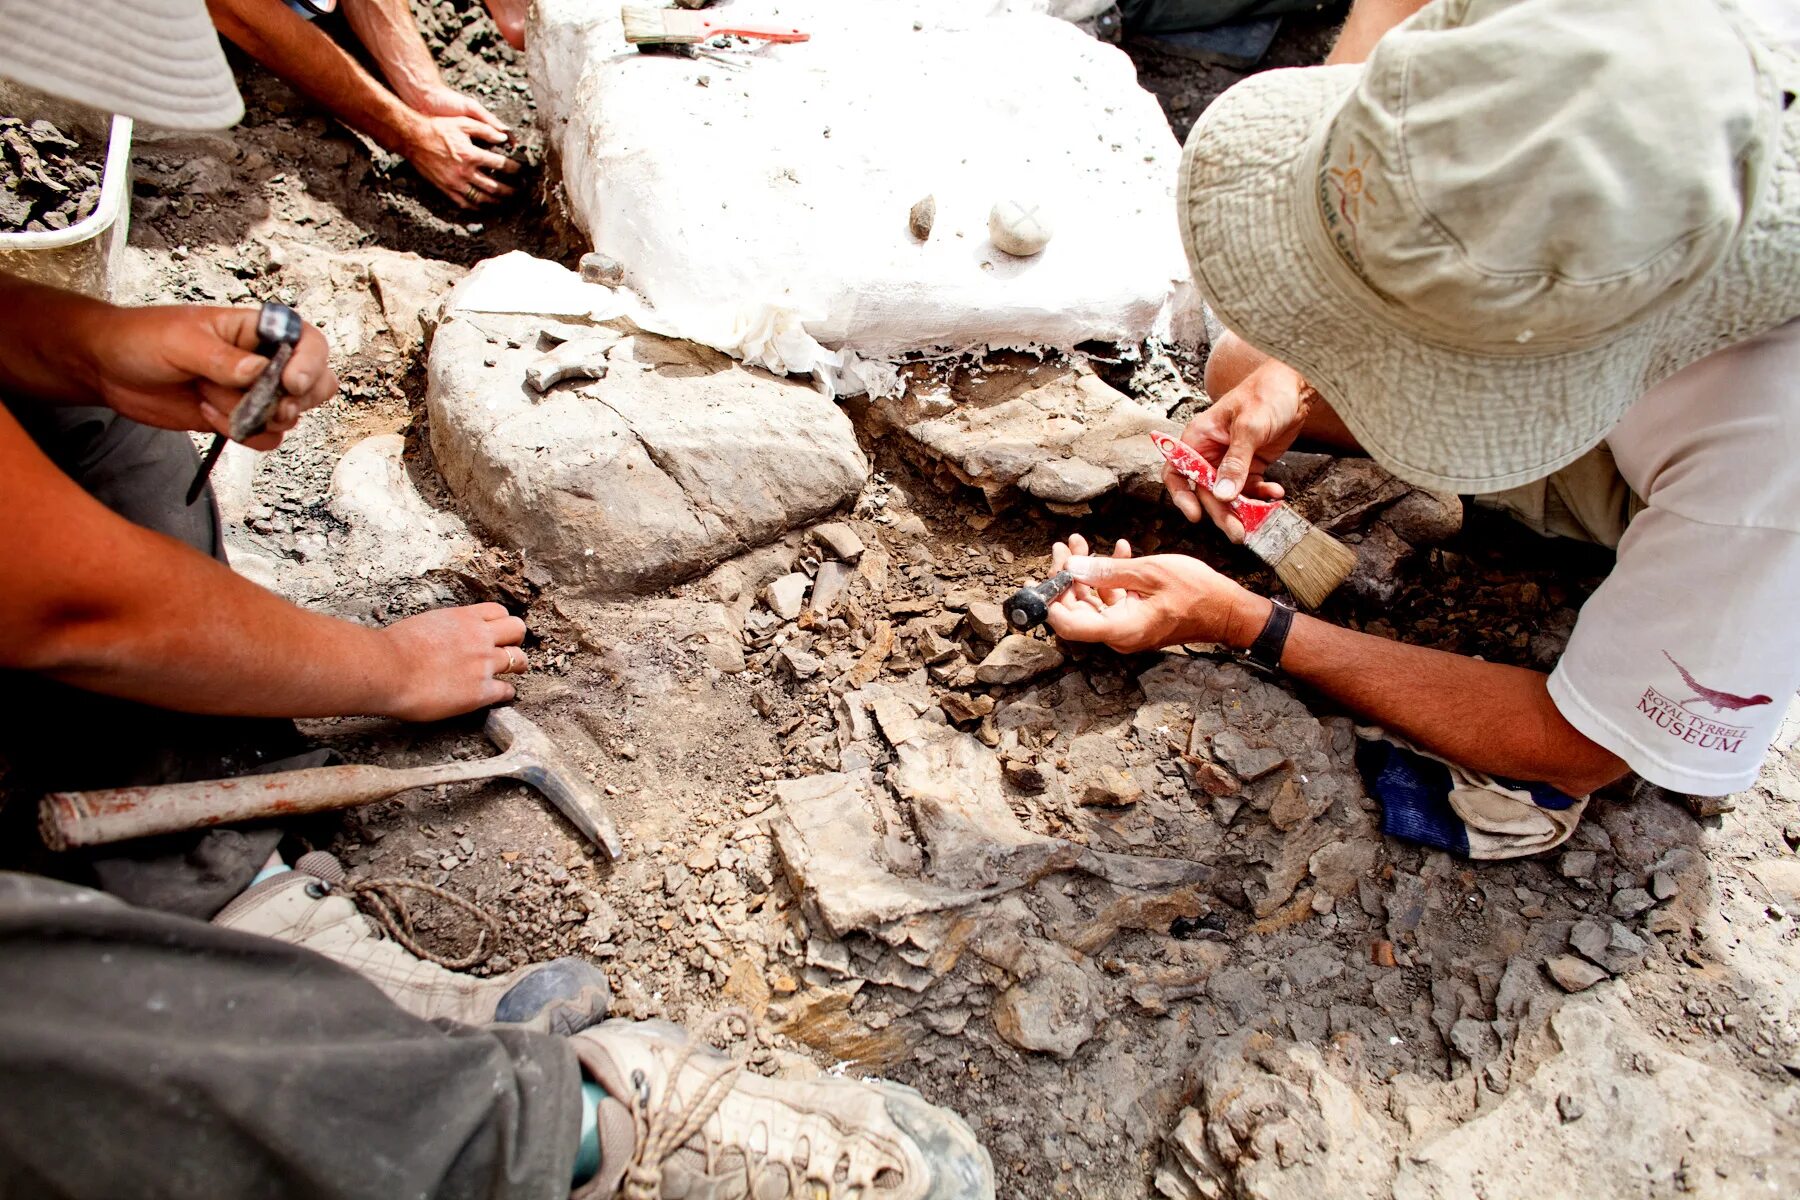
column 1491, row 718
column 441, row 147
column 114, row 608
column 1368, row 20
column 173, row 367
column 291, row 47
column 392, row 36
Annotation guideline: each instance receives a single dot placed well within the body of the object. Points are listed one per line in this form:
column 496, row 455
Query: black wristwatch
column 1264, row 654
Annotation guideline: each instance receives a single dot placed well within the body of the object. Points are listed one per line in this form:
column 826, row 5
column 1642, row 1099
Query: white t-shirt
column 1683, row 662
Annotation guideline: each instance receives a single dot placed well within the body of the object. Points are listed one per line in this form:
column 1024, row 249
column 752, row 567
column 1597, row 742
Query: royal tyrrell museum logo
column 1679, row 718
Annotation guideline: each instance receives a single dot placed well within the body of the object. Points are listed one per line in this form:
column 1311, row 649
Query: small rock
column 1663, row 885
column 1629, row 902
column 786, row 595
column 1578, row 864
column 922, row 217
column 986, row 621
column 599, row 268
column 1209, row 777
column 1019, row 228
column 675, row 877
column 838, row 540
column 828, row 587
column 1108, row 787
column 1018, row 658
column 963, row 709
column 1250, row 762
column 1573, row 974
column 1026, row 776
column 449, row 862
column 1051, row 1013
column 801, row 664
column 1608, row 944
column 1569, row 1108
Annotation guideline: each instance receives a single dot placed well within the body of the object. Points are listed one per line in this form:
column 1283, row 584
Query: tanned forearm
column 39, row 337
column 392, row 36
column 99, row 603
column 1488, row 717
column 1368, row 20
column 287, row 44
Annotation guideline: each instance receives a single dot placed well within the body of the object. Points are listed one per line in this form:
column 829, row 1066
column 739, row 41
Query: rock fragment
column 1573, row 974
column 1054, row 1012
column 786, row 595
column 1250, row 761
column 1608, row 944
column 922, row 217
column 838, row 540
column 1629, row 902
column 986, row 621
column 1018, row 658
column 1108, row 787
column 1577, row 864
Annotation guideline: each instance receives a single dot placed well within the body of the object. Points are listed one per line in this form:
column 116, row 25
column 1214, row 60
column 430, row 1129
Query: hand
column 1244, row 431
column 441, row 100
column 451, row 660
column 443, row 150
column 186, row 367
column 1135, row 604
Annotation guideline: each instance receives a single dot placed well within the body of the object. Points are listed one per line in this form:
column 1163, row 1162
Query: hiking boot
column 682, row 1120
column 311, row 906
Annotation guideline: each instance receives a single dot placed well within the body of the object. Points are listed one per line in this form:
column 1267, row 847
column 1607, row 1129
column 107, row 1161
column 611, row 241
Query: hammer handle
column 70, row 819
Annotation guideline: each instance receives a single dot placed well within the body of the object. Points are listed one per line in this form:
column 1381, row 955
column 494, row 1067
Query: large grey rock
column 676, row 461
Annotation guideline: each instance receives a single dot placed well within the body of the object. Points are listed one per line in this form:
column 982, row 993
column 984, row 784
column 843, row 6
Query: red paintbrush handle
column 1194, row 468
column 762, row 33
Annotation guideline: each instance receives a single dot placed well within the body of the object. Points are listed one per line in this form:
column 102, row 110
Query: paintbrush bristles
column 661, row 26
column 1315, row 567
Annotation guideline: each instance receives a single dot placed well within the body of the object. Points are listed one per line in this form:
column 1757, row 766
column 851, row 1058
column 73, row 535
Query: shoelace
column 381, row 899
column 662, row 1132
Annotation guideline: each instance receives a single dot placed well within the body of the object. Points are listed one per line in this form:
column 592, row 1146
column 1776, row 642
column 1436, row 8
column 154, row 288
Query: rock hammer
column 70, row 819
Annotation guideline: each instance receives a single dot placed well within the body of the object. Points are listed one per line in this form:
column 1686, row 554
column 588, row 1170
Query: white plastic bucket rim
column 114, row 179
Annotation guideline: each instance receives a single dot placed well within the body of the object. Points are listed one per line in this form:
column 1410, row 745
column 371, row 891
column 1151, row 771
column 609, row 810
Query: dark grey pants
column 62, row 738
column 149, row 1055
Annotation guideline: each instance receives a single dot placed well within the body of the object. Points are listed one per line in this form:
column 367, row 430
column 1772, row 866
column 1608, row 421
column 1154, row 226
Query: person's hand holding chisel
column 187, row 367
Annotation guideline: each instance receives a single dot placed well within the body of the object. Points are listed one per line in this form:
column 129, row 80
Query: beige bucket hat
column 154, row 60
column 1485, row 243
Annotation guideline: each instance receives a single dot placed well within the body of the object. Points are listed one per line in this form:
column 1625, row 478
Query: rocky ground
column 1132, row 916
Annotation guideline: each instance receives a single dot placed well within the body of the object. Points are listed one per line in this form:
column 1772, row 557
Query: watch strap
column 1265, row 651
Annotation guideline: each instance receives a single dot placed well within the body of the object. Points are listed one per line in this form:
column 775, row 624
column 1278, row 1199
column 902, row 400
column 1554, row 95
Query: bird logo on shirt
column 1720, row 701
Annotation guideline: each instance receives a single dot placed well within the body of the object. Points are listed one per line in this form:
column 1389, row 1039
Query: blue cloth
column 1414, row 794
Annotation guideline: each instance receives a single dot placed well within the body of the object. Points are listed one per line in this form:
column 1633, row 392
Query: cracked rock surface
column 676, row 460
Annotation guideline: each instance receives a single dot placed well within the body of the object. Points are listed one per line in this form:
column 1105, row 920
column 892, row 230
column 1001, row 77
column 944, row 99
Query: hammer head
column 537, row 761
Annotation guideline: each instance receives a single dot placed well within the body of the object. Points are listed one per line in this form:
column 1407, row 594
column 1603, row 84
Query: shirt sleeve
column 1683, row 662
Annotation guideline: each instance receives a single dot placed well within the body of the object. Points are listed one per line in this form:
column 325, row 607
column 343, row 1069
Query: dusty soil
column 48, row 179
column 1410, row 978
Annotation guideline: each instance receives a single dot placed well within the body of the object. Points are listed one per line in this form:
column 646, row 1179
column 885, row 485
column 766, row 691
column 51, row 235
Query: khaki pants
column 1586, row 500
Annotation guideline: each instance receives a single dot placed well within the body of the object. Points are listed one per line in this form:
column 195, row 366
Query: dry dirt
column 1415, row 977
